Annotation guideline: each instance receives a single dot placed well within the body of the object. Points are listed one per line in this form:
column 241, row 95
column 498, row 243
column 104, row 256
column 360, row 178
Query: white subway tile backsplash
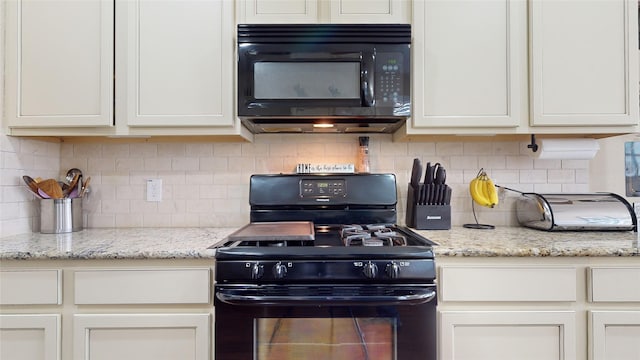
column 170, row 150
column 509, row 148
column 421, row 149
column 533, row 176
column 547, row 164
column 185, row 164
column 463, row 162
column 143, row 150
column 18, row 157
column 129, row 164
column 227, row 149
column 575, row 164
column 478, row 148
column 116, row 206
column 519, row 162
column 129, row 220
column 199, row 150
column 561, row 176
column 492, row 162
column 207, row 184
column 157, row 164
column 114, row 151
column 449, row 148
column 98, row 165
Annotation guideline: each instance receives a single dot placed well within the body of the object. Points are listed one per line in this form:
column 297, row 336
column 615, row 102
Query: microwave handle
column 367, row 79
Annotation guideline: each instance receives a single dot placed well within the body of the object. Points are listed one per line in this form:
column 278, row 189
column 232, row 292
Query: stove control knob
column 279, row 270
column 370, row 270
column 257, row 270
column 393, row 270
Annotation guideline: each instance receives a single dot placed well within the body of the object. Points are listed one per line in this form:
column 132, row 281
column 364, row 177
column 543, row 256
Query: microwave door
column 331, row 81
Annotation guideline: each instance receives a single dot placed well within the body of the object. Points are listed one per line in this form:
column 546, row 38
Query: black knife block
column 427, row 217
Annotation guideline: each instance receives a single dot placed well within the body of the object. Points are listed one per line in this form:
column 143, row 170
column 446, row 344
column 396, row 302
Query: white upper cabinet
column 492, row 67
column 469, row 63
column 324, row 11
column 179, row 63
column 59, row 63
column 370, row 11
column 584, row 62
column 276, row 11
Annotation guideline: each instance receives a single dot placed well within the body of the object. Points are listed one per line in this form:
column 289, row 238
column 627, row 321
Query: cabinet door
column 584, row 62
column 141, row 337
column 278, row 11
column 59, row 63
column 469, row 65
column 180, row 63
column 614, row 335
column 370, row 11
column 498, row 335
column 30, row 337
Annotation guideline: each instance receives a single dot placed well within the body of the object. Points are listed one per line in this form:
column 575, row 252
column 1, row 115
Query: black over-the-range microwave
column 324, row 77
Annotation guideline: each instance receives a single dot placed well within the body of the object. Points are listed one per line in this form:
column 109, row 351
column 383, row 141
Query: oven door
column 343, row 322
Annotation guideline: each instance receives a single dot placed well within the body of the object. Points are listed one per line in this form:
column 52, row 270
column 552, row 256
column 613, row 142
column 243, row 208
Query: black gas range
column 325, row 247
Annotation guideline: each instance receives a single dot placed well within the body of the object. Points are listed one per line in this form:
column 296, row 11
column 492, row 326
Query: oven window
column 306, row 80
column 356, row 338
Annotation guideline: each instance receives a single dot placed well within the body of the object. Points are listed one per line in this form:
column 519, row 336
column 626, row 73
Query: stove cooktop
column 373, row 241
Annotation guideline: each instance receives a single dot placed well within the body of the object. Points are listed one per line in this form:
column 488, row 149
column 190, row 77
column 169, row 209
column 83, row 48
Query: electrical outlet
column 154, row 189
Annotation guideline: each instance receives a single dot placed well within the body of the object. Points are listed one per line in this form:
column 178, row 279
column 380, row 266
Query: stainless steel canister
column 60, row 215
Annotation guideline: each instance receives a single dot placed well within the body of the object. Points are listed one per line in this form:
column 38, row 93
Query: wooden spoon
column 33, row 186
column 51, row 188
column 85, row 186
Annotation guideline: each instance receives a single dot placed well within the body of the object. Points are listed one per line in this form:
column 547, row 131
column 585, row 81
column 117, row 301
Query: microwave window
column 325, row 338
column 307, row 80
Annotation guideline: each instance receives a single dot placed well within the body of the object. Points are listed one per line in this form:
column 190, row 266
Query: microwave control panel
column 389, row 78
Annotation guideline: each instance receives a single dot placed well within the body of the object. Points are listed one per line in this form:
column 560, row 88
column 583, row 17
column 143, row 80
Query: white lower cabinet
column 615, row 335
column 614, row 328
column 30, row 337
column 141, row 336
column 153, row 309
column 490, row 335
column 538, row 308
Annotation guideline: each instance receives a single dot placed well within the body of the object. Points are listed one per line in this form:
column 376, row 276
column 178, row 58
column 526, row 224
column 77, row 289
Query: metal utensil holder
column 60, row 215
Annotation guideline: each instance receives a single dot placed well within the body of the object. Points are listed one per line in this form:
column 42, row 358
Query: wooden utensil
column 51, row 188
column 33, row 186
column 85, row 186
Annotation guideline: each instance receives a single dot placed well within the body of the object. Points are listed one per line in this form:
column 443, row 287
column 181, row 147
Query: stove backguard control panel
column 323, row 188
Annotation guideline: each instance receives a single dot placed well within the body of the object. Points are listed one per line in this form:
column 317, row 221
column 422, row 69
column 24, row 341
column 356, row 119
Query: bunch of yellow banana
column 483, row 190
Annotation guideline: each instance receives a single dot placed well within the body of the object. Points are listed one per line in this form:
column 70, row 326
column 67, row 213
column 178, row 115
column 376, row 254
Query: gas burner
column 371, row 235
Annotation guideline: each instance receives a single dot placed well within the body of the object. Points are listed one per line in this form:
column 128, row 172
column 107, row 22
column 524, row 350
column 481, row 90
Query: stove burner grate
column 371, row 235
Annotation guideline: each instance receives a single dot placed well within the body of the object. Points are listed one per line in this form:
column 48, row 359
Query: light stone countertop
column 192, row 243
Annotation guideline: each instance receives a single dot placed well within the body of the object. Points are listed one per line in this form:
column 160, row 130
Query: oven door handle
column 414, row 297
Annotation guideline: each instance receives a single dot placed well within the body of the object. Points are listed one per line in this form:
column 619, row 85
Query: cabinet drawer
column 176, row 286
column 31, row 287
column 614, row 284
column 507, row 283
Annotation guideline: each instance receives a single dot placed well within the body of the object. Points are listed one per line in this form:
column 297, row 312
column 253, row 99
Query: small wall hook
column 533, row 146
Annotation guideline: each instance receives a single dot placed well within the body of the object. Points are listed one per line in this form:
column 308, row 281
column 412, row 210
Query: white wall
column 206, row 184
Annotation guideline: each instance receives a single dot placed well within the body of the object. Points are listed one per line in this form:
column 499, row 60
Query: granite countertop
column 192, row 243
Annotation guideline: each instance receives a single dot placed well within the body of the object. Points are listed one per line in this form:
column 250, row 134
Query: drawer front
column 175, row 286
column 614, row 284
column 31, row 287
column 507, row 283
